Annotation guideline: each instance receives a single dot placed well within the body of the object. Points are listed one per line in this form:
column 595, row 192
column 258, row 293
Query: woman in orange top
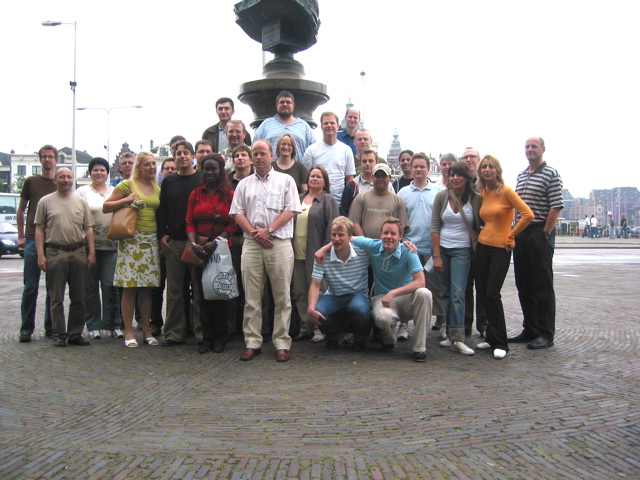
column 495, row 243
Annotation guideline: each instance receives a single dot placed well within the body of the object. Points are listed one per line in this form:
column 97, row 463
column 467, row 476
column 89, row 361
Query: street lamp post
column 108, row 110
column 73, row 84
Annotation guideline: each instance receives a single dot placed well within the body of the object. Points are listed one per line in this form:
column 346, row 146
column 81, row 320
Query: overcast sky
column 445, row 75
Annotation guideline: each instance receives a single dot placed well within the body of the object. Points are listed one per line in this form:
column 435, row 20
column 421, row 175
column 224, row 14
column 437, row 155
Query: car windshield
column 7, row 228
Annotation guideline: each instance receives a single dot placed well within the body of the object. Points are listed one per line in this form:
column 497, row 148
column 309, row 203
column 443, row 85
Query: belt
column 65, row 248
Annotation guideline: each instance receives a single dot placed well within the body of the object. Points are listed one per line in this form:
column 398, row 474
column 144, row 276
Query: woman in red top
column 208, row 218
column 495, row 243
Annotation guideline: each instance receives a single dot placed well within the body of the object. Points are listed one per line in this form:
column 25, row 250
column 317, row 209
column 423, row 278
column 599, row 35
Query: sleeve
column 318, row 271
column 26, row 190
column 350, row 166
column 291, row 196
column 302, row 174
column 237, row 206
column 40, row 218
column 436, row 210
column 526, row 215
column 232, row 226
column 355, row 212
column 554, row 192
column 189, row 220
column 402, row 212
column 310, row 140
column 413, row 262
column 330, row 212
column 307, row 159
column 366, row 244
column 259, row 135
column 124, row 187
column 88, row 218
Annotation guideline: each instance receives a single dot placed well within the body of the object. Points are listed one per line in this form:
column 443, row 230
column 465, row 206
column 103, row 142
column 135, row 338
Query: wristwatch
column 270, row 230
column 193, row 244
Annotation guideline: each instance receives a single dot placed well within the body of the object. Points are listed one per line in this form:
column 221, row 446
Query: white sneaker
column 483, row 346
column 462, row 348
column 499, row 353
column 95, row 334
column 403, row 334
column 445, row 343
column 117, row 333
column 348, row 339
column 443, row 332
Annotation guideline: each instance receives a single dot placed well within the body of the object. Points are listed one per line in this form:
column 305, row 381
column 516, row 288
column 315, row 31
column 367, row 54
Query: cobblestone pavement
column 571, row 411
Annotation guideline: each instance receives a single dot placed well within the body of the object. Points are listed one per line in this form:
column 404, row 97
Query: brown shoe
column 249, row 353
column 24, row 338
column 282, row 355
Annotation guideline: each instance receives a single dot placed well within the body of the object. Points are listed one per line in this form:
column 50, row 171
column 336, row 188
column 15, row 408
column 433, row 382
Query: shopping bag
column 219, row 280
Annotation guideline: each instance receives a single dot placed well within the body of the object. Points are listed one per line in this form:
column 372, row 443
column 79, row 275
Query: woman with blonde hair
column 285, row 163
column 495, row 243
column 138, row 266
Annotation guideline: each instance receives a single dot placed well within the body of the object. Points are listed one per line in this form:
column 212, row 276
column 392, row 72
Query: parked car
column 9, row 240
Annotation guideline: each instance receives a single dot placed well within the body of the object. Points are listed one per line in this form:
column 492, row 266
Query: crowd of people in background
column 319, row 228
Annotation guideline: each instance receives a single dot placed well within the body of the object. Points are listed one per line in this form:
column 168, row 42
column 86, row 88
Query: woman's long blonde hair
column 499, row 181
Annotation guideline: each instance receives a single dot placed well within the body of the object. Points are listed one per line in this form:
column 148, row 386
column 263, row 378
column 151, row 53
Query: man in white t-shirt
column 334, row 156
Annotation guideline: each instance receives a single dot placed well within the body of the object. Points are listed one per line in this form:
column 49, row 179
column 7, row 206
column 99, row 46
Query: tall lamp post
column 108, row 110
column 73, row 84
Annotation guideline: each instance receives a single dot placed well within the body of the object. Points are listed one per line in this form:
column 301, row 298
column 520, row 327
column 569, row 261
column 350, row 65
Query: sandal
column 151, row 341
column 318, row 338
column 131, row 343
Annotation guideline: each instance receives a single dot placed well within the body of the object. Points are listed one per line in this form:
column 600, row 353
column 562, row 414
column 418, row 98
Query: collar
column 396, row 253
column 334, row 258
column 537, row 170
column 426, row 187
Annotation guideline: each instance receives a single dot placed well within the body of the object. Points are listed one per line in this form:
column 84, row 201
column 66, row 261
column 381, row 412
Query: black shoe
column 332, row 344
column 24, row 338
column 48, row 333
column 79, row 340
column 170, row 343
column 520, row 338
column 204, row 347
column 156, row 331
column 387, row 347
column 540, row 343
column 358, row 346
column 435, row 326
column 419, row 356
column 59, row 342
column 219, row 346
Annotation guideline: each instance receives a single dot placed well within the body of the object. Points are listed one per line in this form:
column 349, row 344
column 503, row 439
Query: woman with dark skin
column 207, row 219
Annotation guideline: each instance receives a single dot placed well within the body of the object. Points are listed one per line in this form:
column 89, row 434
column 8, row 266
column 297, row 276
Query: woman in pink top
column 495, row 243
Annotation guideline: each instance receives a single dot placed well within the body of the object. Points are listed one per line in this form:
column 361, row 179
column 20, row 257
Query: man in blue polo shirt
column 345, row 306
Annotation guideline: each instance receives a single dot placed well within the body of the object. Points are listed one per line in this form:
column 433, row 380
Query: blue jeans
column 453, row 282
column 31, row 280
column 105, row 315
column 356, row 317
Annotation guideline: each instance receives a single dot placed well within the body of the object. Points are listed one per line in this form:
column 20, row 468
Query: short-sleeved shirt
column 297, row 171
column 344, row 278
column 390, row 271
column 33, row 189
column 344, row 137
column 64, row 218
column 146, row 216
column 418, row 203
column 370, row 209
column 336, row 159
column 263, row 199
column 541, row 190
column 272, row 129
column 101, row 220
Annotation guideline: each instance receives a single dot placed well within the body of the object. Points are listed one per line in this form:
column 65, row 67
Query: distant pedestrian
column 612, row 229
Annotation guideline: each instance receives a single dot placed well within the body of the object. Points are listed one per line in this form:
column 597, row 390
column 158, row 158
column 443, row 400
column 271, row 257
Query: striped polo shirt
column 344, row 278
column 272, row 129
column 541, row 190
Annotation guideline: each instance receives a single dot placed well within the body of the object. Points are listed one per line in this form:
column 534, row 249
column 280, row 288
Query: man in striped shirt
column 264, row 205
column 345, row 306
column 284, row 122
column 540, row 186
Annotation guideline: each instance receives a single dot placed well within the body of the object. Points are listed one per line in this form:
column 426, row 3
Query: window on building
column 35, row 170
column 22, row 169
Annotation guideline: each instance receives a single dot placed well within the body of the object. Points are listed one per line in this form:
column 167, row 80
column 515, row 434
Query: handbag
column 123, row 223
column 219, row 280
column 473, row 235
column 192, row 258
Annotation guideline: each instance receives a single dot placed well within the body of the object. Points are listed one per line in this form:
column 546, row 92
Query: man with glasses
column 216, row 134
column 283, row 122
column 236, row 136
column 33, row 189
column 125, row 167
column 471, row 157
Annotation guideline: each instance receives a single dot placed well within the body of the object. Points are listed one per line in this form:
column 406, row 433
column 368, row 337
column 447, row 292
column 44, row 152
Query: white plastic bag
column 219, row 280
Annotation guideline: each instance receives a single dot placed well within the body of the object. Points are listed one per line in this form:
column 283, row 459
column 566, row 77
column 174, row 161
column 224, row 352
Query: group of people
column 592, row 230
column 361, row 256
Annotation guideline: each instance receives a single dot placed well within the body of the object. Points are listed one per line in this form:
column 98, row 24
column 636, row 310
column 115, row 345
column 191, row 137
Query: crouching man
column 345, row 306
column 399, row 291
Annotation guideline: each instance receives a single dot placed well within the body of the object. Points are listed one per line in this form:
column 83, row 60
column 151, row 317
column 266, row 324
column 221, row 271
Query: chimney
column 151, row 143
